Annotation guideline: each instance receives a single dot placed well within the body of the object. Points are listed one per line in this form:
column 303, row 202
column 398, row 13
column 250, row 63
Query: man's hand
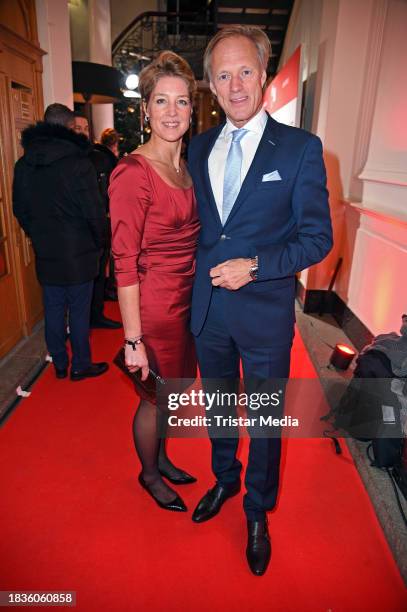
column 231, row 274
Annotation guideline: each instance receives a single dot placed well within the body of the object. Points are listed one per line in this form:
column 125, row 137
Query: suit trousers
column 76, row 300
column 219, row 358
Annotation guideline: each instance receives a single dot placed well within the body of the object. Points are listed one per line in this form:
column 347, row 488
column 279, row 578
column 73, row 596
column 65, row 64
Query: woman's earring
column 146, row 119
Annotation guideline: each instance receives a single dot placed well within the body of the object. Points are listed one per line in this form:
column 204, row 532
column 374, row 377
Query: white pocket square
column 271, row 176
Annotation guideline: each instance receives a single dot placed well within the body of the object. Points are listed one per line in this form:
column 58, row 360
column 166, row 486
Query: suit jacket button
column 223, row 237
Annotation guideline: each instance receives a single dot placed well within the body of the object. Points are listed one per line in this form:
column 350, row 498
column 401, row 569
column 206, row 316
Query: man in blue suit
column 263, row 205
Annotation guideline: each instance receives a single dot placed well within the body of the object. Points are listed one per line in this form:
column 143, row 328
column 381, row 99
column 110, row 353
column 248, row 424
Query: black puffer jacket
column 58, row 204
column 105, row 161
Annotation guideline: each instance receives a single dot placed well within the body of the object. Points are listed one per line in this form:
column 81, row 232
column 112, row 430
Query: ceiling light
column 132, row 81
column 129, row 93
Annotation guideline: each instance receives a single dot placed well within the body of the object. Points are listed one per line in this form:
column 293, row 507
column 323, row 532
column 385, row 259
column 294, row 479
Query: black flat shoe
column 258, row 551
column 183, row 478
column 176, row 505
column 213, row 501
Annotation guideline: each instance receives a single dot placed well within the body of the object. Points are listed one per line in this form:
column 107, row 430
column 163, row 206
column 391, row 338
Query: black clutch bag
column 147, row 389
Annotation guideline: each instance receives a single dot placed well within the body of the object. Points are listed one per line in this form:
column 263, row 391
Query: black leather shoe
column 95, row 369
column 105, row 323
column 258, row 551
column 176, row 505
column 61, row 372
column 182, row 479
column 213, row 501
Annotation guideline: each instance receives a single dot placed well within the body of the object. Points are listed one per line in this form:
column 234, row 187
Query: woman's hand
column 136, row 359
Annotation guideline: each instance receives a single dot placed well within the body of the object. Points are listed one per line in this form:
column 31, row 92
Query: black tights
column 151, row 450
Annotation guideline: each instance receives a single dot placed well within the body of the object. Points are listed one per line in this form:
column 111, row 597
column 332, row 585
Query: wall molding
column 381, row 175
column 371, row 210
column 369, row 89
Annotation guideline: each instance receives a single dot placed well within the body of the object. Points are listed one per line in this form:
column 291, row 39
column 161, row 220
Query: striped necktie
column 231, row 182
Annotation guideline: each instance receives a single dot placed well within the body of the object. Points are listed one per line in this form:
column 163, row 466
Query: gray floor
column 317, row 333
column 320, row 334
column 20, row 366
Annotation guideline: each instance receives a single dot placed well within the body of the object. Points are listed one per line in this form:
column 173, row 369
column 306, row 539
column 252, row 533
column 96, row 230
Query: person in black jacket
column 57, row 203
column 109, row 149
column 104, row 161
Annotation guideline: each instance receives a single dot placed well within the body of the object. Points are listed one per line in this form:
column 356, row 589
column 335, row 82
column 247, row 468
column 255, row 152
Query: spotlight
column 129, row 93
column 132, row 81
column 342, row 356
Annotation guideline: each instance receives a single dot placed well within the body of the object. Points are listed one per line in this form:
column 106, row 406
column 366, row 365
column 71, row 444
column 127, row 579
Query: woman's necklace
column 177, row 170
column 170, row 165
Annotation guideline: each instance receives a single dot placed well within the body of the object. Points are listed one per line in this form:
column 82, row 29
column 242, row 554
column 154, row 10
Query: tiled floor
column 20, row 367
column 320, row 334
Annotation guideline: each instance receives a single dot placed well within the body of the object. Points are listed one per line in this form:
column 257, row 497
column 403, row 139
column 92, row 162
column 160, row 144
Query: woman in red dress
column 154, row 234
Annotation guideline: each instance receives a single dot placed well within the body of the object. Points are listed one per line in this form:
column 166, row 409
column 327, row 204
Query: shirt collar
column 256, row 124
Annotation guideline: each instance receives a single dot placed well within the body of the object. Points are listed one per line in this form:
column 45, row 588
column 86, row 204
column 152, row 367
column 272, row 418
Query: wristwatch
column 133, row 342
column 254, row 268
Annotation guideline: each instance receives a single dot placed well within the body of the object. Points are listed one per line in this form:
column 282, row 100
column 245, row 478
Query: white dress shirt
column 219, row 153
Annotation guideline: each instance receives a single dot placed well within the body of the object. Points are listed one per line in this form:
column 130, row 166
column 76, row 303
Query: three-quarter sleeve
column 130, row 197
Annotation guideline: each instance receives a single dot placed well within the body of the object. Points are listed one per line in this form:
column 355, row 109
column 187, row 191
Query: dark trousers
column 76, row 299
column 98, row 296
column 219, row 357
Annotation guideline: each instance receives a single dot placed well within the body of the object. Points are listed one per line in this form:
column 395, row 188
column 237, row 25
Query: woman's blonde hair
column 166, row 64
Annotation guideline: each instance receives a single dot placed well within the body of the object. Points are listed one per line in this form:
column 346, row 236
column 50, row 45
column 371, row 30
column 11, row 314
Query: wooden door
column 22, row 108
column 20, row 105
column 11, row 323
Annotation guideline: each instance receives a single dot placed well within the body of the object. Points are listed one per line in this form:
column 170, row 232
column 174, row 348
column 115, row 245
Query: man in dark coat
column 56, row 201
column 104, row 161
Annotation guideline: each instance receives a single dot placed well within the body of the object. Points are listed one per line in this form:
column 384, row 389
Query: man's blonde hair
column 253, row 33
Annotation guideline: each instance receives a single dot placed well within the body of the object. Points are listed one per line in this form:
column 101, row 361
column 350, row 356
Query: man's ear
column 263, row 78
column 212, row 88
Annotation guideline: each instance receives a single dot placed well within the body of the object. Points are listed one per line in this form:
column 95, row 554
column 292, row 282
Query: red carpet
column 73, row 516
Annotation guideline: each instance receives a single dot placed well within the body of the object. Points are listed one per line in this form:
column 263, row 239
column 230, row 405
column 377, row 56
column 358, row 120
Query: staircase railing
column 154, row 31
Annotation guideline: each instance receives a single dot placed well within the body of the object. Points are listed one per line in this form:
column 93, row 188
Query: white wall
column 54, row 38
column 304, row 28
column 359, row 113
column 124, row 11
column 91, row 41
column 78, row 16
column 385, row 173
column 100, row 51
column 377, row 290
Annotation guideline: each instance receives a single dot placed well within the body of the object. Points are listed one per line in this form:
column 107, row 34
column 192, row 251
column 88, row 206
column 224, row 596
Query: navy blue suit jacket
column 286, row 223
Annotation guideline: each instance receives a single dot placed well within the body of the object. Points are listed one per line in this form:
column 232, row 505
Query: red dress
column 154, row 235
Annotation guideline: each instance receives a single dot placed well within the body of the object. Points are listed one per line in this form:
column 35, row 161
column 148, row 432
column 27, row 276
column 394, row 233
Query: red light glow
column 345, row 349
